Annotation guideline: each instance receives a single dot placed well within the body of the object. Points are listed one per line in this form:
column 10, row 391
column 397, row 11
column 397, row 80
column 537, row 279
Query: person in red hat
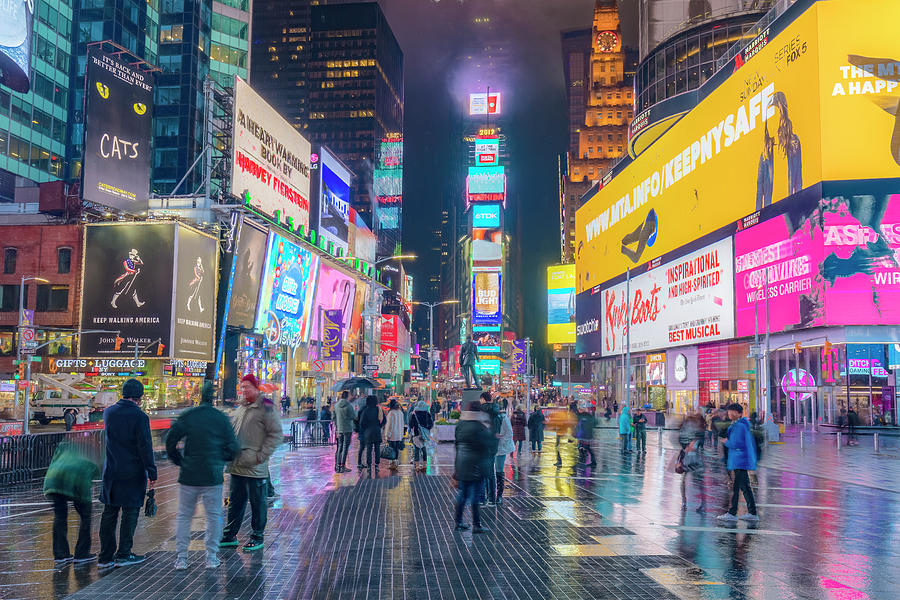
column 258, row 431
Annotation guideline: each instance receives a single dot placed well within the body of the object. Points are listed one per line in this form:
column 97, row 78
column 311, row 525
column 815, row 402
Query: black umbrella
column 356, row 382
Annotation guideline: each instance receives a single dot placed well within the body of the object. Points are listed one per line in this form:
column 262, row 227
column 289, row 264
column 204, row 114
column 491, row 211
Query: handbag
column 150, row 504
column 389, row 452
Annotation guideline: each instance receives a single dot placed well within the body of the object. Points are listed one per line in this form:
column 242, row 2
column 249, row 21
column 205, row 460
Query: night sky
column 437, row 38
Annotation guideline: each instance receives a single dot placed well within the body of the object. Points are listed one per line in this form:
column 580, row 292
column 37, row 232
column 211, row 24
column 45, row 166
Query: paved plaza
column 614, row 531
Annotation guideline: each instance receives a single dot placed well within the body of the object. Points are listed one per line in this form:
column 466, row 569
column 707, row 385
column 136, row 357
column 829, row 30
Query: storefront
column 724, row 372
column 682, row 380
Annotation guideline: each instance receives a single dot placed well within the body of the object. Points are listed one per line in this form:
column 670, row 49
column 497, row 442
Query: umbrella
column 356, row 382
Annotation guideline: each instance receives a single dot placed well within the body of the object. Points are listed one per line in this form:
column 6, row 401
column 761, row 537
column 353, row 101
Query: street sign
column 36, row 359
column 371, row 370
column 27, row 334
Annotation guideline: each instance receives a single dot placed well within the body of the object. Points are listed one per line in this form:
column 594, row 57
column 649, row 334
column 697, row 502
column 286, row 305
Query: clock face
column 607, row 41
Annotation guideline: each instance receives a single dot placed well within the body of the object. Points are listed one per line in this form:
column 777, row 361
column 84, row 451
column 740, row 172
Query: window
column 9, row 297
column 7, row 346
column 171, row 34
column 63, row 260
column 52, row 298
column 9, row 260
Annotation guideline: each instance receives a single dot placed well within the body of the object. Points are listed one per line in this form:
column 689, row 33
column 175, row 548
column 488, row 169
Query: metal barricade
column 312, row 433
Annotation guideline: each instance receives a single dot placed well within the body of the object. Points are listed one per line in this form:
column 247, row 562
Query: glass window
column 9, row 260
column 18, row 148
column 171, row 34
column 63, row 260
column 9, row 297
column 52, row 298
column 168, row 95
column 166, row 126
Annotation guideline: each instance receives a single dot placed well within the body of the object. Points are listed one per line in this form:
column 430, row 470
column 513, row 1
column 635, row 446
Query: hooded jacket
column 471, row 439
column 741, row 446
column 393, row 428
column 343, row 416
column 625, row 421
column 536, row 426
column 505, row 445
column 259, row 433
column 209, row 442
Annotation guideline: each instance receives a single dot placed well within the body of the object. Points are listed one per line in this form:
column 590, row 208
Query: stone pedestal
column 470, row 395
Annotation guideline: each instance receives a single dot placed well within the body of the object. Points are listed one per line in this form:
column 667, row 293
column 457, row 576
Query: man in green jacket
column 209, row 442
column 343, row 426
column 259, row 432
column 69, row 479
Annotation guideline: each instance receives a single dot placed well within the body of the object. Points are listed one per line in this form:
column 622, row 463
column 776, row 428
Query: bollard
column 838, row 440
column 877, row 446
column 801, row 440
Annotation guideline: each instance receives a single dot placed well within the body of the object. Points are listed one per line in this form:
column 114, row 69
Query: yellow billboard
column 776, row 126
column 561, row 304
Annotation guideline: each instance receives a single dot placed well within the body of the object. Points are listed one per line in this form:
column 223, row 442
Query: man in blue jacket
column 741, row 459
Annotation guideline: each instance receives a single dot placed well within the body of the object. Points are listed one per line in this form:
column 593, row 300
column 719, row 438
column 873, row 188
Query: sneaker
column 253, row 545
column 213, row 562
column 181, row 564
column 750, row 517
column 228, row 543
column 480, row 529
column 86, row 559
column 728, row 518
column 106, row 565
column 131, row 559
column 63, row 560
column 462, row 527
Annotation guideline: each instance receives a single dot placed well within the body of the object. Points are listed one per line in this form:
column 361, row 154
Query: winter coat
column 209, row 443
column 584, row 430
column 625, row 421
column 258, row 430
column 471, row 440
column 506, row 445
column 420, row 419
column 129, row 455
column 393, row 428
column 536, row 426
column 70, row 474
column 741, row 446
column 371, row 420
column 343, row 416
column 519, row 421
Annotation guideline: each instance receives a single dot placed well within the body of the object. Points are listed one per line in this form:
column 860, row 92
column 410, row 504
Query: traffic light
column 159, row 349
column 797, row 348
column 21, row 373
column 119, row 343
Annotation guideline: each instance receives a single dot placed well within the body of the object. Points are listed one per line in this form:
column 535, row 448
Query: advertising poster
column 127, row 287
column 271, row 160
column 487, row 248
column 332, row 339
column 334, row 201
column 519, row 357
column 484, row 103
column 15, row 44
column 285, row 300
column 487, row 152
column 686, row 301
column 334, row 291
column 486, row 305
column 356, row 319
column 486, row 180
column 248, row 271
column 118, row 111
column 486, row 216
column 561, row 304
column 197, row 263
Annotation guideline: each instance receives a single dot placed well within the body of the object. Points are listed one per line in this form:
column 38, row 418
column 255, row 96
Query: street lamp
column 19, row 330
column 431, row 306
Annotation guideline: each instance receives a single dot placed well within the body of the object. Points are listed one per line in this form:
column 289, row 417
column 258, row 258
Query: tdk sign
column 486, row 215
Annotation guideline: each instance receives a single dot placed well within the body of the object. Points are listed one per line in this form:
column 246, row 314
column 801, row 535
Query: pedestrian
column 741, row 460
column 640, row 430
column 69, row 479
column 259, row 433
column 420, row 424
column 691, row 433
column 393, row 430
column 370, row 422
column 285, row 405
column 492, row 412
column 615, row 406
column 584, row 432
column 325, row 421
column 852, row 424
column 505, row 446
column 129, row 464
column 625, row 429
column 69, row 418
column 343, row 428
column 435, row 408
column 472, row 440
column 564, row 422
column 519, row 421
column 536, row 430
column 209, row 442
column 311, row 418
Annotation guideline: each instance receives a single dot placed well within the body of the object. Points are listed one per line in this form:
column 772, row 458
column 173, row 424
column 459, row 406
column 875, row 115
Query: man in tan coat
column 258, row 431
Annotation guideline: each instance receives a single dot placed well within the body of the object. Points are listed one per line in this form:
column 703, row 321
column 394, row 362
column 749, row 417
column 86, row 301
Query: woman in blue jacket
column 625, row 429
column 741, row 460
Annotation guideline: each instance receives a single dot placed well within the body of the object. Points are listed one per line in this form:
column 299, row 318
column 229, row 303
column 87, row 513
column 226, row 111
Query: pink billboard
column 334, row 290
column 836, row 263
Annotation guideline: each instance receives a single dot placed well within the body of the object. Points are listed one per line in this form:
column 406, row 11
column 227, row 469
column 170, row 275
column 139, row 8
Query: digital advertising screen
column 483, row 103
column 271, row 161
column 486, row 180
column 487, row 248
column 118, row 111
column 561, row 304
column 334, row 290
column 486, row 302
column 334, row 200
column 486, row 216
column 197, row 264
column 248, row 271
column 15, row 44
column 286, row 298
column 487, row 152
column 129, row 270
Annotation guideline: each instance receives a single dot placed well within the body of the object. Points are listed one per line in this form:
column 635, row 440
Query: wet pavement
column 618, row 530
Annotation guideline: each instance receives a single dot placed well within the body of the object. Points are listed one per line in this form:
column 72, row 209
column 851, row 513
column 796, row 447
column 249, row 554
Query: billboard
column 356, row 320
column 486, row 180
column 487, row 152
column 127, row 286
column 334, row 201
column 483, row 103
column 270, row 166
column 15, row 45
column 486, row 216
column 286, row 296
column 197, row 265
column 118, row 110
column 248, row 270
column 487, row 249
column 797, row 112
column 334, row 290
column 332, row 341
column 561, row 304
column 486, row 304
column 388, row 189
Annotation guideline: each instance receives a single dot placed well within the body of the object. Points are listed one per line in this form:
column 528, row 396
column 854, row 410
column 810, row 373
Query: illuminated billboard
column 486, row 184
column 334, row 201
column 813, row 112
column 561, row 304
column 271, row 161
column 487, row 152
column 482, row 103
column 486, row 301
column 486, row 216
column 15, row 45
column 487, row 248
column 285, row 301
column 334, row 291
column 388, row 190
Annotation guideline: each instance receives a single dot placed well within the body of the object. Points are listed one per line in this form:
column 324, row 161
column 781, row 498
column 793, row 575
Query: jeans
column 343, row 446
column 108, row 521
column 370, row 448
column 640, row 436
column 489, row 484
column 519, row 445
column 61, row 526
column 211, row 496
column 242, row 489
column 468, row 494
column 742, row 484
column 536, row 445
column 626, row 442
column 420, row 453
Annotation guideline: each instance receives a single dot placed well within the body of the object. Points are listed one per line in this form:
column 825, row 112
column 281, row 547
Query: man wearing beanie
column 209, row 443
column 129, row 463
column 258, row 431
